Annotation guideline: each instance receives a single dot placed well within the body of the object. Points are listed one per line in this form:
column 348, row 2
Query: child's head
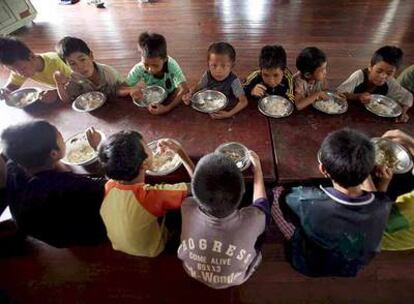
column 221, row 57
column 153, row 49
column 217, row 185
column 17, row 57
column 33, row 144
column 347, row 157
column 124, row 155
column 311, row 63
column 76, row 53
column 272, row 63
column 384, row 63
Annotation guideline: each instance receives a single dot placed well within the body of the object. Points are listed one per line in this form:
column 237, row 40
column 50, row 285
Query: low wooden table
column 297, row 138
column 197, row 132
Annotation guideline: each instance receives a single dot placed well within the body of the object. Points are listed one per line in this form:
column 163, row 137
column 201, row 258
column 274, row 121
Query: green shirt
column 406, row 78
column 172, row 78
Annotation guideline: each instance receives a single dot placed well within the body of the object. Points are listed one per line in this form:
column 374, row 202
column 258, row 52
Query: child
column 310, row 80
column 406, row 78
column 378, row 78
column 219, row 76
column 157, row 68
column 339, row 229
column 219, row 243
column 399, row 233
column 48, row 202
column 132, row 209
column 273, row 78
column 88, row 75
column 24, row 64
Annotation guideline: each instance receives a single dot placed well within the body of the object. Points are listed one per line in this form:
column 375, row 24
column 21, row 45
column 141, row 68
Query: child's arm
column 368, row 185
column 259, row 190
column 348, row 86
column 384, row 175
column 241, row 104
column 177, row 148
column 192, row 90
column 401, row 138
column 302, row 102
column 175, row 98
column 61, row 84
column 402, row 96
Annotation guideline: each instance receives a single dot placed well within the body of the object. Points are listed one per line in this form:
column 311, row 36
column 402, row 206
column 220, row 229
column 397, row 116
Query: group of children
column 331, row 231
column 73, row 70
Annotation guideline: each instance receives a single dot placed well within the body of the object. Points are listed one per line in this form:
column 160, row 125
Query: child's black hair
column 272, row 57
column 222, row 48
column 69, row 45
column 348, row 156
column 309, row 59
column 12, row 50
column 390, row 54
column 29, row 144
column 217, row 185
column 152, row 45
column 122, row 155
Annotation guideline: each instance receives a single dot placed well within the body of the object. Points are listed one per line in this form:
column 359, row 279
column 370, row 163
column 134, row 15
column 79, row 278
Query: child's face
column 153, row 65
column 380, row 72
column 25, row 68
column 320, row 73
column 220, row 66
column 81, row 63
column 147, row 164
column 272, row 77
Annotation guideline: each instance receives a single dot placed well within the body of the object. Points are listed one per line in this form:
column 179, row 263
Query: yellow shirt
column 52, row 63
column 399, row 234
column 130, row 214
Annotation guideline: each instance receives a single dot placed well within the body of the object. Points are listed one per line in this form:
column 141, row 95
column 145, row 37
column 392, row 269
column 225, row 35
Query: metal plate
column 236, row 152
column 152, row 95
column 383, row 106
column 209, row 101
column 78, row 144
column 403, row 161
column 333, row 106
column 23, row 97
column 275, row 106
column 89, row 101
column 172, row 157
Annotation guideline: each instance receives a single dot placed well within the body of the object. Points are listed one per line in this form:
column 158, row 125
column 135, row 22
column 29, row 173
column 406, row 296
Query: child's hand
column 158, row 109
column 49, row 96
column 384, row 175
column 94, row 138
column 341, row 96
column 169, row 144
column 403, row 118
column 365, row 98
column 401, row 138
column 255, row 159
column 4, row 94
column 220, row 115
column 187, row 97
column 136, row 91
column 322, row 96
column 60, row 78
column 259, row 90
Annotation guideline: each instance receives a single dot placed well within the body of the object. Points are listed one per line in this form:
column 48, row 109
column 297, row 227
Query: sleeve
column 16, row 79
column 237, row 88
column 349, row 85
column 290, row 87
column 159, row 198
column 74, row 89
column 135, row 75
column 264, row 205
column 251, row 82
column 62, row 67
column 299, row 87
column 203, row 81
column 399, row 94
column 406, row 78
column 177, row 73
column 116, row 77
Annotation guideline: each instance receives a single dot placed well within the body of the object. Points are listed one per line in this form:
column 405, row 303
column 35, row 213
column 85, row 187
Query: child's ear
column 91, row 56
column 55, row 155
column 323, row 170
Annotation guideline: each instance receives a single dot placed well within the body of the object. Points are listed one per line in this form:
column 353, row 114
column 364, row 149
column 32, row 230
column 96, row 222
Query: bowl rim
column 398, row 106
column 248, row 161
column 77, row 109
column 193, row 104
column 374, row 140
column 38, row 90
column 335, row 96
column 265, row 113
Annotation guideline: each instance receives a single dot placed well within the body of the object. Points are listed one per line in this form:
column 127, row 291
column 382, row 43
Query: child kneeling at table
column 336, row 230
column 378, row 78
column 221, row 58
column 88, row 75
column 219, row 242
column 133, row 211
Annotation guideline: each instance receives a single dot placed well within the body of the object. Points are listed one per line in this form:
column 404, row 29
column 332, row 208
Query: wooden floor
column 348, row 31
